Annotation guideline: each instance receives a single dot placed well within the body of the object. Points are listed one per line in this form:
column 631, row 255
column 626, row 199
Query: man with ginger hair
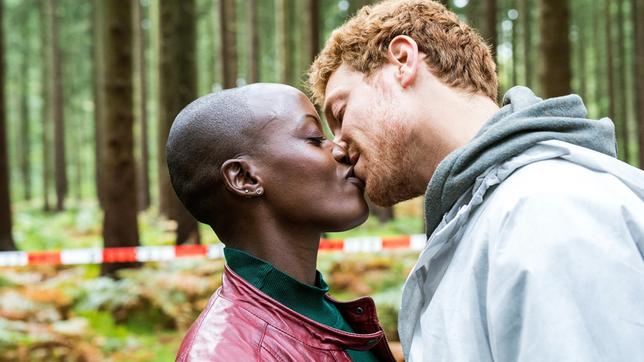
column 535, row 230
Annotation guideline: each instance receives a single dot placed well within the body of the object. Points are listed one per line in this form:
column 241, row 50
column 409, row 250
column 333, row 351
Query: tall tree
column 621, row 95
column 610, row 68
column 314, row 28
column 637, row 12
column 24, row 119
column 525, row 15
column 120, row 203
column 227, row 15
column 177, row 88
column 57, row 107
column 581, row 26
column 142, row 175
column 98, row 90
column 489, row 26
column 515, row 51
column 46, row 103
column 217, row 65
column 600, row 88
column 253, row 42
column 6, row 240
column 283, row 31
column 554, row 48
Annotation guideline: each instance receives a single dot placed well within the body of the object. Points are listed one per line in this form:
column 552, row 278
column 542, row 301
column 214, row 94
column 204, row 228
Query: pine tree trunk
column 253, row 45
column 6, row 240
column 282, row 28
column 25, row 141
column 622, row 107
column 77, row 141
column 610, row 71
column 515, row 52
column 216, row 36
column 98, row 91
column 581, row 53
column 528, row 62
column 228, row 43
column 600, row 88
column 46, row 104
column 638, row 65
column 177, row 88
column 120, row 204
column 60, row 171
column 489, row 26
column 314, row 28
column 142, row 174
column 554, row 48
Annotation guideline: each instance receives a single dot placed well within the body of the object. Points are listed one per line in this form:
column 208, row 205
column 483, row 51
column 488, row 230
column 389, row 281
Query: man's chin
column 389, row 196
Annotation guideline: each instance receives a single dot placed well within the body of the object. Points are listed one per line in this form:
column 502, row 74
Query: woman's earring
column 246, row 191
column 259, row 191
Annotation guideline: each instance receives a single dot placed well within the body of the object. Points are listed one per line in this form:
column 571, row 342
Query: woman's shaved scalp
column 206, row 133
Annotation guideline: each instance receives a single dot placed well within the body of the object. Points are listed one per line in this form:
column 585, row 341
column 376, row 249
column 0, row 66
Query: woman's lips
column 356, row 181
column 351, row 177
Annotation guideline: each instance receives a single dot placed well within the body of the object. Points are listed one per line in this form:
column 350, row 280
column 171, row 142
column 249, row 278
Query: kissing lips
column 351, row 177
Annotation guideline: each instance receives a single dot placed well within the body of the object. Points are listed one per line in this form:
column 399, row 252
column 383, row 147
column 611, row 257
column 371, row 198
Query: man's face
column 373, row 118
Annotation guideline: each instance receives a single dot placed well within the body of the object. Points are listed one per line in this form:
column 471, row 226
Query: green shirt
column 307, row 300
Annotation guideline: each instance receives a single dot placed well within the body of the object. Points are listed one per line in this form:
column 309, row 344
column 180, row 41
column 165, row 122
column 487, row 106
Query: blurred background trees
column 92, row 87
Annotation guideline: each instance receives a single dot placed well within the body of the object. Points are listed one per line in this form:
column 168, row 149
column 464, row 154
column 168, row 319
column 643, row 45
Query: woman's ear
column 240, row 178
column 403, row 53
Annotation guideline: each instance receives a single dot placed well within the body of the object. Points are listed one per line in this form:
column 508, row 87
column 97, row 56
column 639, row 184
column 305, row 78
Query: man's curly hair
column 455, row 53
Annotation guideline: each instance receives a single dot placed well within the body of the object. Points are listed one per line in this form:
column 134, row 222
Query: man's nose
column 340, row 152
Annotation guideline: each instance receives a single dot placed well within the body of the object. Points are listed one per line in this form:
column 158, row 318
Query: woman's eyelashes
column 318, row 141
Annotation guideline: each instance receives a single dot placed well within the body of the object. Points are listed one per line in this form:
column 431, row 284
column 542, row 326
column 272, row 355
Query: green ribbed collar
column 305, row 299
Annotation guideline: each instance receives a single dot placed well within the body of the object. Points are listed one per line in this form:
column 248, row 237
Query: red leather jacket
column 241, row 323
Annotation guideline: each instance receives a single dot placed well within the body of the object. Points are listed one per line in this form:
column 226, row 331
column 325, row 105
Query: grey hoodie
column 524, row 120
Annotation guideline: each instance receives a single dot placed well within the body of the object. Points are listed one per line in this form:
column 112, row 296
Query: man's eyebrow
column 328, row 112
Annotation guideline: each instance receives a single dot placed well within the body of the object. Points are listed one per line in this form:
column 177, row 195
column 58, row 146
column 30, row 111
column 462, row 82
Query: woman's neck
column 290, row 248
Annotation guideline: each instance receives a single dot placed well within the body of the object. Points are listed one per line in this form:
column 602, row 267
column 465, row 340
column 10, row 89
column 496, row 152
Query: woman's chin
column 346, row 221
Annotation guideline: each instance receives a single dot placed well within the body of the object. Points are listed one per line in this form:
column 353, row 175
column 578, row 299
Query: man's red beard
column 389, row 167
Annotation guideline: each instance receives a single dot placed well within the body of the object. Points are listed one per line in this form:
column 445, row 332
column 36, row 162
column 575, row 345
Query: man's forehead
column 340, row 83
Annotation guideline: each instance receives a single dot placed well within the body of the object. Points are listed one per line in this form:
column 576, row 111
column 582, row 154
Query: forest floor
column 50, row 313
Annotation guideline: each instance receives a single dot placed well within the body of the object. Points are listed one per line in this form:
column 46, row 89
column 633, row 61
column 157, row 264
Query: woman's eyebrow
column 308, row 118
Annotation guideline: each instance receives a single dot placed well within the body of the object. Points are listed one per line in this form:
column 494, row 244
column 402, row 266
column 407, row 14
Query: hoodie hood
column 523, row 121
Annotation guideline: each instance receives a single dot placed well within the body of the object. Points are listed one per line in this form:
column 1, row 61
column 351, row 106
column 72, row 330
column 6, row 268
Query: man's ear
column 240, row 178
column 403, row 53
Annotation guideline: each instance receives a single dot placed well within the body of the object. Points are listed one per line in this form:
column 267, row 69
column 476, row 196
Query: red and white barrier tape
column 214, row 251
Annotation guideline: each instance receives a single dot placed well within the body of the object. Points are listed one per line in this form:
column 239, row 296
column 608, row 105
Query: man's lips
column 351, row 177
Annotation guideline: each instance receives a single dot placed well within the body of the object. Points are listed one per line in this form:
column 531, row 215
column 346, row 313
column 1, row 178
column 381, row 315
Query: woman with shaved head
column 253, row 163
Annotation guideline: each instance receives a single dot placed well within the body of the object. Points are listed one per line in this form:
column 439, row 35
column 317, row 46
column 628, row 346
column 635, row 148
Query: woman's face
column 302, row 181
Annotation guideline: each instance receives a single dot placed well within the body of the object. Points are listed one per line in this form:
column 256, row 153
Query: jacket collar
column 360, row 314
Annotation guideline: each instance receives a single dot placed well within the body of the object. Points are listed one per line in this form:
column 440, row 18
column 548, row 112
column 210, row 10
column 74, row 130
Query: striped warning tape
column 214, row 251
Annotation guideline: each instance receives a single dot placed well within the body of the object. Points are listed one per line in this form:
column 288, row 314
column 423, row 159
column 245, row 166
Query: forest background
column 90, row 89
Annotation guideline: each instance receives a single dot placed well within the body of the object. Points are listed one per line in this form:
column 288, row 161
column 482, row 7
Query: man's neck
column 461, row 117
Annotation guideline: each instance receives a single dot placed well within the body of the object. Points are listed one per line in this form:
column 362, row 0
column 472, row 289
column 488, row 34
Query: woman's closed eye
column 316, row 140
